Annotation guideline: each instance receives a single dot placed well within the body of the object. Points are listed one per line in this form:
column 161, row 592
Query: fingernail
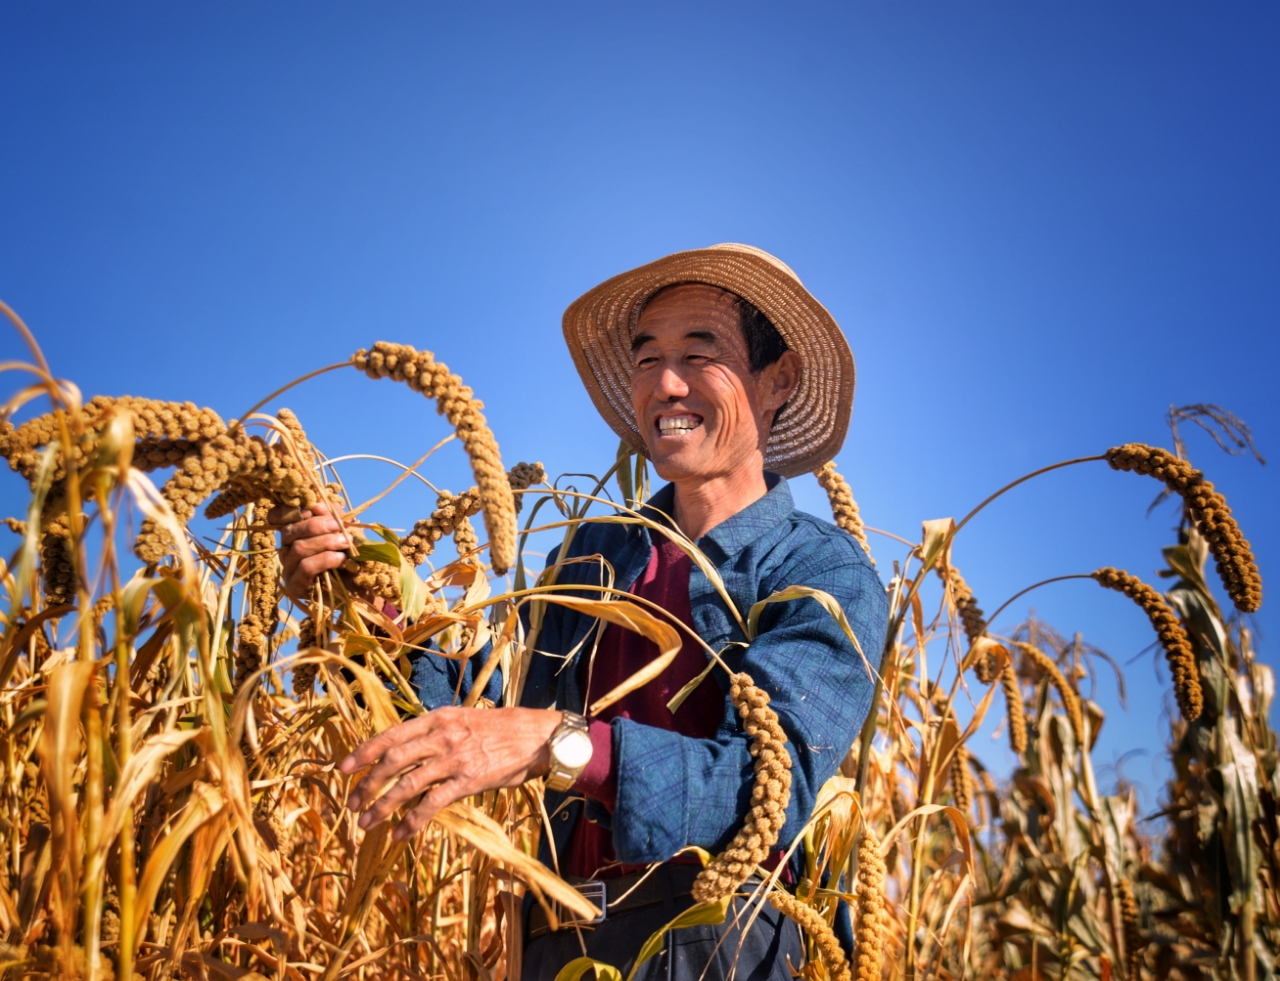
column 366, row 821
column 353, row 802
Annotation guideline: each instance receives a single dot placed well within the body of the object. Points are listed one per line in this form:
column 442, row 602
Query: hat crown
column 759, row 253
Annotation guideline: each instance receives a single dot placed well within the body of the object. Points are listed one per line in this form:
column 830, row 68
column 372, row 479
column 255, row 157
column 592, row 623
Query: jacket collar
column 734, row 534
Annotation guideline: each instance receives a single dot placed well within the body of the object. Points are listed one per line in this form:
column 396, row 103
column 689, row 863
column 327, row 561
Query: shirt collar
column 736, row 533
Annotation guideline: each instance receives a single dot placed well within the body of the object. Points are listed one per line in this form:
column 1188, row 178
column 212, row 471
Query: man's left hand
column 450, row 754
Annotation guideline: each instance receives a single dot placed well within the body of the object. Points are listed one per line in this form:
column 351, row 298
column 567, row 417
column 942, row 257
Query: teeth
column 677, row 424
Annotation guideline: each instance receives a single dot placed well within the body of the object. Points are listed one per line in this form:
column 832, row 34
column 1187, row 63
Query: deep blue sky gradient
column 1038, row 224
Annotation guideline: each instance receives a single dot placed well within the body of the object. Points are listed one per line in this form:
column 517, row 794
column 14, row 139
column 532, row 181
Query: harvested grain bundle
column 455, row 402
column 263, row 614
column 871, row 933
column 1070, row 700
column 769, row 798
column 818, row 929
column 843, row 507
column 1174, row 640
column 1209, row 510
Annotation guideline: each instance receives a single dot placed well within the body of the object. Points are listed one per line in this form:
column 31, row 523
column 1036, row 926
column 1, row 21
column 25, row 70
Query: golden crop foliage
column 168, row 804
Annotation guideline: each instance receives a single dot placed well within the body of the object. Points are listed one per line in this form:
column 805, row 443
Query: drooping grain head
column 1235, row 563
column 769, row 797
column 871, row 932
column 455, row 402
column 844, row 509
column 1070, row 699
column 1173, row 638
column 818, row 930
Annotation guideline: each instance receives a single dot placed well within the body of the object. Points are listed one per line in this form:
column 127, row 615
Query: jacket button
column 564, row 815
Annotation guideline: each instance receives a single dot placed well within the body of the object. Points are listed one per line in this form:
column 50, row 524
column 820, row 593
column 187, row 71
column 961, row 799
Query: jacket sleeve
column 441, row 681
column 435, row 677
column 676, row 790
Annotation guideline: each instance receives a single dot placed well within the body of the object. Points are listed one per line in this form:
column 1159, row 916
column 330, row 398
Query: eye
column 646, row 362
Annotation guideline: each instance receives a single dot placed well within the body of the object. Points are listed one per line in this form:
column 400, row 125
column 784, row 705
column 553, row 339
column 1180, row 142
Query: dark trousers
column 700, row 953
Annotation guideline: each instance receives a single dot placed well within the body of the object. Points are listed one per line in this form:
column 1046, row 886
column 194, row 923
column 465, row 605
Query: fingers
column 370, row 752
column 448, row 754
column 410, row 785
column 388, row 760
column 432, row 803
column 302, row 576
column 310, row 527
column 312, row 546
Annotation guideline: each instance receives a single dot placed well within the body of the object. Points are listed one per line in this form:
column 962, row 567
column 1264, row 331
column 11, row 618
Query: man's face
column 701, row 411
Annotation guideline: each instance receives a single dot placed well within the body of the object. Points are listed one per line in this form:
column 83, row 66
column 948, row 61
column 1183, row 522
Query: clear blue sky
column 1038, row 224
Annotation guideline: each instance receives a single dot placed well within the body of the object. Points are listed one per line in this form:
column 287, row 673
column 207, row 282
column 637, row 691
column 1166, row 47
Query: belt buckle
column 594, row 891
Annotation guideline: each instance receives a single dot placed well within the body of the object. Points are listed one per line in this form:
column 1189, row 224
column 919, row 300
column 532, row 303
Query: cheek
column 639, row 394
column 734, row 423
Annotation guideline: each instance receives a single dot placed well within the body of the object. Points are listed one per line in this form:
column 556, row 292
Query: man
column 729, row 376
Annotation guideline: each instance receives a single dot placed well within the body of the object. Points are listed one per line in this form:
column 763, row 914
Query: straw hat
column 599, row 325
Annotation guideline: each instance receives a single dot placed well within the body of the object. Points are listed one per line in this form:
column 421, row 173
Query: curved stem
column 407, row 471
column 27, row 336
column 1042, row 582
column 1022, row 480
column 889, row 534
column 327, row 462
column 280, row 391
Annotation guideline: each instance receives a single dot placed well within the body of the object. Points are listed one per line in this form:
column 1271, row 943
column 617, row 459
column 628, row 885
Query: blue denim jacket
column 675, row 790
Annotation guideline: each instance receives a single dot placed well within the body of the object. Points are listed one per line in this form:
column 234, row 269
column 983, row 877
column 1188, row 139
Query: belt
column 614, row 897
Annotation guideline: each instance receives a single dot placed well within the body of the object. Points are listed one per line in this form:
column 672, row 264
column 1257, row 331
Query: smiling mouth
column 674, row 427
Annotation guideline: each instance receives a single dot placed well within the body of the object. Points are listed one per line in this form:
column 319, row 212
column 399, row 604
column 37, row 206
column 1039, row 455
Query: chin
column 674, row 466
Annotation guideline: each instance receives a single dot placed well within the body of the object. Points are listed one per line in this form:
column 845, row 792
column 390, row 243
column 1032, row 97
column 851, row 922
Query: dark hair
column 764, row 344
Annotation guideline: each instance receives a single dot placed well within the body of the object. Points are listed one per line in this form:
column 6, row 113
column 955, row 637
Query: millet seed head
column 1015, row 712
column 455, row 402
column 815, row 925
column 1208, row 509
column 523, row 476
column 1173, row 638
column 844, row 509
column 769, row 797
column 1070, row 699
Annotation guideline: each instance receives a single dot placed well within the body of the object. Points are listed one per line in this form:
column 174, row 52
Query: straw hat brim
column 600, row 324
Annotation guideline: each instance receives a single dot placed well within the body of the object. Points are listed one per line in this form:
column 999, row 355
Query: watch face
column 573, row 749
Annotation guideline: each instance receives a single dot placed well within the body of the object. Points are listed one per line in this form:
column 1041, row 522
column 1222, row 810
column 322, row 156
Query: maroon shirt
column 621, row 653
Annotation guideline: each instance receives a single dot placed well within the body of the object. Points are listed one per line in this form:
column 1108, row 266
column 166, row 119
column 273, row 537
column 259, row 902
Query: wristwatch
column 570, row 747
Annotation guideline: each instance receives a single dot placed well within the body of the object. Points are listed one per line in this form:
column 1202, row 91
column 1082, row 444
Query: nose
column 669, row 385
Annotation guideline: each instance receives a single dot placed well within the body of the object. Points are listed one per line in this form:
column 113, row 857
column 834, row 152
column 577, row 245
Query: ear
column 780, row 380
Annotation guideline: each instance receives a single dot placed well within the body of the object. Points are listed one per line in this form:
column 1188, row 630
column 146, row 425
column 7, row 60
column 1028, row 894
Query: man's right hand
column 311, row 546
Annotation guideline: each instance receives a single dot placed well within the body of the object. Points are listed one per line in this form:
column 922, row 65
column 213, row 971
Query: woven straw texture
column 600, row 324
